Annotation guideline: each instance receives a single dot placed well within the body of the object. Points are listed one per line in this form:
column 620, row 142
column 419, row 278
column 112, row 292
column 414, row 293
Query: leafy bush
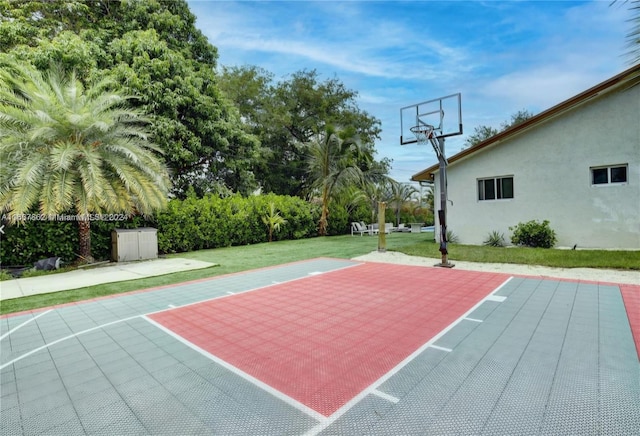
column 495, row 239
column 533, row 234
column 30, row 241
column 211, row 222
column 185, row 225
column 27, row 242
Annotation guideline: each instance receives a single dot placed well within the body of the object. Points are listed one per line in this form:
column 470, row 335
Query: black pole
column 442, row 213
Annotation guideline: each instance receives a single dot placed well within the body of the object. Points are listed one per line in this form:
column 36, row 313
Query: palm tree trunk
column 322, row 231
column 84, row 240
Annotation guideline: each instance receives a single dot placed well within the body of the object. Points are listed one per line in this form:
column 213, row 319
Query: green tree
column 273, row 220
column 288, row 114
column 66, row 147
column 332, row 165
column 633, row 36
column 516, row 118
column 154, row 52
column 482, row 133
column 399, row 195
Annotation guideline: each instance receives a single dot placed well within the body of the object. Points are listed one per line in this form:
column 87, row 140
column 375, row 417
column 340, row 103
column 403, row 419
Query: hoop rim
column 423, row 130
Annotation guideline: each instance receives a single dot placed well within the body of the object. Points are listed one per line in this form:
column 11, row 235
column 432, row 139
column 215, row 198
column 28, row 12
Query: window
column 610, row 174
column 495, row 189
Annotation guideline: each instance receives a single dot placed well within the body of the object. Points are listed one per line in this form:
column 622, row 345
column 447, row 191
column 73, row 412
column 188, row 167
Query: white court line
column 315, row 273
column 65, row 338
column 497, row 298
column 374, row 386
column 473, row 320
column 132, row 317
column 24, row 323
column 248, row 290
column 171, row 306
column 386, row 396
column 265, row 387
column 437, row 347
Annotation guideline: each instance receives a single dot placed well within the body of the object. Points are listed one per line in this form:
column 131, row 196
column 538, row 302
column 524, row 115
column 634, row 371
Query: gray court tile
column 107, row 416
column 10, row 422
column 457, row 334
column 83, row 390
column 360, row 419
column 414, row 371
column 47, row 421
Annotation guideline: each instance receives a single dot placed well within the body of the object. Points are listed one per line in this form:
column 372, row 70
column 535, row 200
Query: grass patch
column 236, row 259
column 609, row 259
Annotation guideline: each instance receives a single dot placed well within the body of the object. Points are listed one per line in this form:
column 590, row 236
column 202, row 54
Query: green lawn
column 235, row 259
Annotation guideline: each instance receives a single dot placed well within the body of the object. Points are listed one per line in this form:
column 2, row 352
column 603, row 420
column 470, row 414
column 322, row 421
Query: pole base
column 445, row 265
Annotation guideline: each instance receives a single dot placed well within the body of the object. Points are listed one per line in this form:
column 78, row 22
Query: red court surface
column 631, row 297
column 313, row 339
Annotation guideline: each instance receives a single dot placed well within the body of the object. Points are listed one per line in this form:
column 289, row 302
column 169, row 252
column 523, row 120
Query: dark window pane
column 507, row 187
column 489, row 189
column 600, row 176
column 619, row 174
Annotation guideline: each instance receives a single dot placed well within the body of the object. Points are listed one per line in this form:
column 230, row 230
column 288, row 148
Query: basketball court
column 330, row 346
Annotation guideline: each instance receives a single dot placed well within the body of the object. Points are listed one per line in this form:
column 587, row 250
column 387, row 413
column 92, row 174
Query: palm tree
column 331, row 165
column 400, row 194
column 273, row 220
column 64, row 147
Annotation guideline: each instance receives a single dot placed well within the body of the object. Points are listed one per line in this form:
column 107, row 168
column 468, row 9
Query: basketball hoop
column 423, row 133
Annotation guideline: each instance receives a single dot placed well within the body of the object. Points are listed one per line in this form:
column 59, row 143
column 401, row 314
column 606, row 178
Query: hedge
column 185, row 225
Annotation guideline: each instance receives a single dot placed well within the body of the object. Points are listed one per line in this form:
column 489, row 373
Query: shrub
column 29, row 241
column 495, row 239
column 212, row 222
column 452, row 237
column 185, row 225
column 533, row 234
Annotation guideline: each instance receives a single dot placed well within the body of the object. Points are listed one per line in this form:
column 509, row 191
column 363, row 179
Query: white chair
column 358, row 228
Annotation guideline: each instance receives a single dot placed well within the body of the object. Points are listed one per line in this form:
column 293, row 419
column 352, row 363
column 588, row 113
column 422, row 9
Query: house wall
column 551, row 165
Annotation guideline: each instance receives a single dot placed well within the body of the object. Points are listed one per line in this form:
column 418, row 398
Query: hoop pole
column 442, row 213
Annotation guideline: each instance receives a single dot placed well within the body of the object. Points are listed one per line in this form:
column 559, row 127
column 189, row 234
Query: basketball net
column 424, row 133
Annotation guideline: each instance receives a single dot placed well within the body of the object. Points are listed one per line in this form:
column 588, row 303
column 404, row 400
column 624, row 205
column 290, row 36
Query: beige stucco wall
column 552, row 180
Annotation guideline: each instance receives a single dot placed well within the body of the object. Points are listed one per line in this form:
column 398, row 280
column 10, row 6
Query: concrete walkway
column 113, row 272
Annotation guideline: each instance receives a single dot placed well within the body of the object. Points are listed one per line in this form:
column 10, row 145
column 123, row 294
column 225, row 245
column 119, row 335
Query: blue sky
column 503, row 56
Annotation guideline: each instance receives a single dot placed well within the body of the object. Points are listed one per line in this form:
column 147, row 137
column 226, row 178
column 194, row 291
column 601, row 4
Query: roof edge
column 631, row 75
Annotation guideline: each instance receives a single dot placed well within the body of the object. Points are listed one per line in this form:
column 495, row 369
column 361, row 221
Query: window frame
column 497, row 188
column 609, row 170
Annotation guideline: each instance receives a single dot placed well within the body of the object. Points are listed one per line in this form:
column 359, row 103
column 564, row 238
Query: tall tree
column 331, row 165
column 633, row 37
column 482, row 133
column 154, row 51
column 66, row 147
column 290, row 113
column 399, row 195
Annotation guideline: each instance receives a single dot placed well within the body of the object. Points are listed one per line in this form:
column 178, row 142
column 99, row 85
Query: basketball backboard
column 444, row 114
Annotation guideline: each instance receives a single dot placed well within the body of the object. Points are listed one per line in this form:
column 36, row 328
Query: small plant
column 533, row 234
column 495, row 239
column 273, row 220
column 4, row 275
column 452, row 237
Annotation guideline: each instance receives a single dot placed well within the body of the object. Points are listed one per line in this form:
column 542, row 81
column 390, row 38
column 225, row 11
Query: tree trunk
column 324, row 216
column 84, row 240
